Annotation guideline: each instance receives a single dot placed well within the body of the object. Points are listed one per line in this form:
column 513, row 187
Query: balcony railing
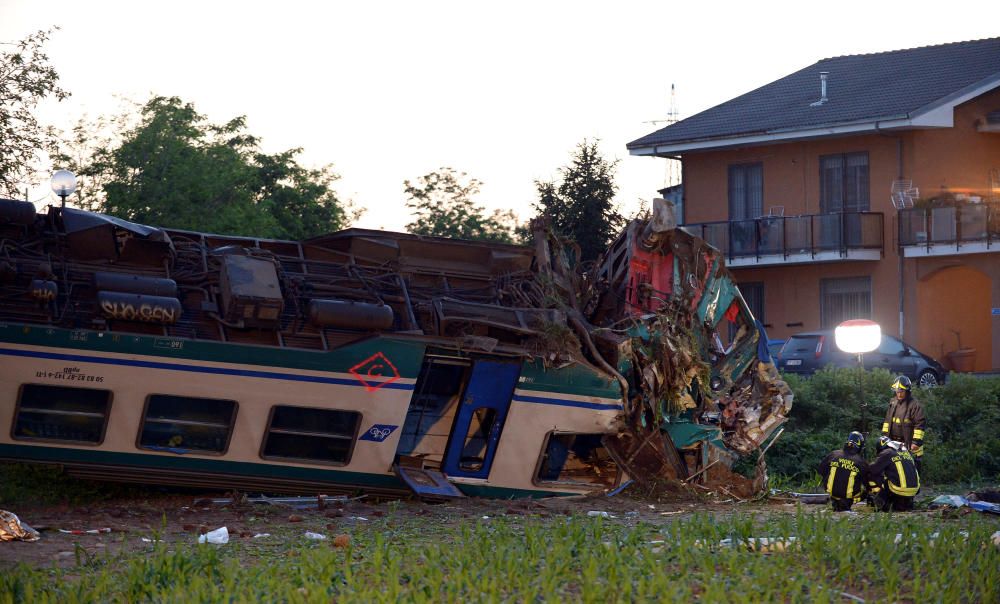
column 967, row 228
column 811, row 237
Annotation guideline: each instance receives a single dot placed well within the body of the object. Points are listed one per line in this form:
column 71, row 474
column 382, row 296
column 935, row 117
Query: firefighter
column 893, row 477
column 845, row 473
column 904, row 420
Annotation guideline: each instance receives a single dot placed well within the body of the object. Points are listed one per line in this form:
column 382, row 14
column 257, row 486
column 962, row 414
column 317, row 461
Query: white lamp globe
column 63, row 182
column 858, row 336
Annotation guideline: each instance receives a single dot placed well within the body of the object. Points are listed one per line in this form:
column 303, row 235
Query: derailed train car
column 372, row 360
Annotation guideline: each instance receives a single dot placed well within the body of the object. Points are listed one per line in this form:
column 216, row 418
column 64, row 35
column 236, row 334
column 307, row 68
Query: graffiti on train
column 132, row 307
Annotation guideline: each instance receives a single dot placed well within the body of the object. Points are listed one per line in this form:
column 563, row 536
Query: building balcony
column 970, row 228
column 806, row 239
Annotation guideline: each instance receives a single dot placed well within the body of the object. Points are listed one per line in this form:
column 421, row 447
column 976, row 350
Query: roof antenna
column 822, row 90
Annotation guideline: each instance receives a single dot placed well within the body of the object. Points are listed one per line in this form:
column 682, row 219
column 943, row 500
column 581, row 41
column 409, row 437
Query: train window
column 61, row 413
column 577, row 459
column 182, row 424
column 477, row 439
column 309, row 434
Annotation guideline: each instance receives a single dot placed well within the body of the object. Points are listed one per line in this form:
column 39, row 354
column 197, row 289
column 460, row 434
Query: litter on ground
column 219, row 536
column 12, row 529
column 958, row 501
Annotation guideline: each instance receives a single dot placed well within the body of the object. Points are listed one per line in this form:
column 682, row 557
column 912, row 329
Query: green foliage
column 963, row 423
column 701, row 557
column 443, row 205
column 963, row 436
column 175, row 169
column 77, row 150
column 581, row 206
column 26, row 78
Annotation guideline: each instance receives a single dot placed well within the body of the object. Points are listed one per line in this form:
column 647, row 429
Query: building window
column 753, row 295
column 843, row 299
column 309, row 434
column 746, row 191
column 843, row 183
column 62, row 414
column 746, row 202
column 576, row 459
column 183, row 424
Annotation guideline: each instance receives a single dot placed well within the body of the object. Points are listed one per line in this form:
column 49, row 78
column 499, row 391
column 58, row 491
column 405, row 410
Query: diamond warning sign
column 375, row 371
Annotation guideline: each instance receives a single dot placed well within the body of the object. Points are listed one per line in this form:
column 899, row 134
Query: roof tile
column 866, row 87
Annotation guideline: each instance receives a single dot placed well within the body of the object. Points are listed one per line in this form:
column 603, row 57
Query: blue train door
column 480, row 418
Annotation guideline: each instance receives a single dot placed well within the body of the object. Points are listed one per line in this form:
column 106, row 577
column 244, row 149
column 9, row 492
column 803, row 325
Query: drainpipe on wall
column 899, row 252
column 684, row 194
column 899, row 249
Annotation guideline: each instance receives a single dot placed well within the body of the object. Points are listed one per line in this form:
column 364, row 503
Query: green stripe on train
column 406, row 356
column 164, row 462
column 161, row 462
column 574, row 379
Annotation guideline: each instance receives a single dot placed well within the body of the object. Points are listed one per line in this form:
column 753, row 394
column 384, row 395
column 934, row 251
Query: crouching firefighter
column 893, row 477
column 845, row 473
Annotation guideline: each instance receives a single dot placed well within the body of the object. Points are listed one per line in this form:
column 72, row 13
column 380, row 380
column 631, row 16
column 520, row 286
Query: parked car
column 806, row 352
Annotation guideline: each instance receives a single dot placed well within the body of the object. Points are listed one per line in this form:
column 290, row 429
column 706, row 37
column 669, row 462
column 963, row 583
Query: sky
column 387, row 91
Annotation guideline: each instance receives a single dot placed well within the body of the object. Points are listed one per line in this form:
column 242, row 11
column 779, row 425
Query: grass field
column 402, row 557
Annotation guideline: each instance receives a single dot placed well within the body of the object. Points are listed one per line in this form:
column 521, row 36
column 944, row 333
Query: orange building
column 864, row 186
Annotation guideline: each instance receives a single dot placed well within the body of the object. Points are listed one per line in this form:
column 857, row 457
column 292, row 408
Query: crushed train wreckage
column 370, row 360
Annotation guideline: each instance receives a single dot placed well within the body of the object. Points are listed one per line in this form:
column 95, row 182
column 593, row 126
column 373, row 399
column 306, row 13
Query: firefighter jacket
column 844, row 474
column 896, row 471
column 904, row 421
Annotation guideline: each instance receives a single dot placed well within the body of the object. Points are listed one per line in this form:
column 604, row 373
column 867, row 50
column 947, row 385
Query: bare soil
column 135, row 522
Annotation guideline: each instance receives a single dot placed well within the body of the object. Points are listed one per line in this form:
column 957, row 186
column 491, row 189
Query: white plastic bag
column 219, row 536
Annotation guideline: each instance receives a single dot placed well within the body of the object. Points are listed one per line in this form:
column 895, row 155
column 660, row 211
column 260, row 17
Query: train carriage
column 358, row 360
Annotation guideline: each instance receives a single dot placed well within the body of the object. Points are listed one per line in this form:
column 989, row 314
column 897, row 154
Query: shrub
column 963, row 423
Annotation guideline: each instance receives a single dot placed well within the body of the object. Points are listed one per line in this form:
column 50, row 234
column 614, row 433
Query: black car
column 806, row 352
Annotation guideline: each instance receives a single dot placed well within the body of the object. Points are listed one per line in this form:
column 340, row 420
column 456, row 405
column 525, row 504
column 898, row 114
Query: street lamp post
column 63, row 184
column 858, row 336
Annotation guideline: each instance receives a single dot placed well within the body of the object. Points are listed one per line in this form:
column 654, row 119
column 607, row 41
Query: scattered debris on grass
column 958, row 501
column 810, row 498
column 219, row 536
column 86, row 532
column 341, row 541
column 12, row 529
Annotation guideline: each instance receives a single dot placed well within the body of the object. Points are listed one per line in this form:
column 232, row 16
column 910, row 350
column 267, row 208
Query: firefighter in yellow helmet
column 893, row 477
column 845, row 473
column 904, row 419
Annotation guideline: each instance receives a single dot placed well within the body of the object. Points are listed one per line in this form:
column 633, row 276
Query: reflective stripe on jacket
column 905, row 422
column 844, row 475
column 897, row 471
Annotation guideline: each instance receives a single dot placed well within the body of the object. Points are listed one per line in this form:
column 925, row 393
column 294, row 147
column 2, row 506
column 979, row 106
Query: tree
column 442, row 203
column 77, row 150
column 582, row 207
column 26, row 78
column 175, row 169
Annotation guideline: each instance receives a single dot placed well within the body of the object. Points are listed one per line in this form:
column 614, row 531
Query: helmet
column 902, row 383
column 855, row 440
column 884, row 442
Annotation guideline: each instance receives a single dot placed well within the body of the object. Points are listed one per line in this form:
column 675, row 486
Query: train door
column 432, row 409
column 480, row 418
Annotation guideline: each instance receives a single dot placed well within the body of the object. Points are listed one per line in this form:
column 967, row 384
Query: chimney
column 822, row 89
